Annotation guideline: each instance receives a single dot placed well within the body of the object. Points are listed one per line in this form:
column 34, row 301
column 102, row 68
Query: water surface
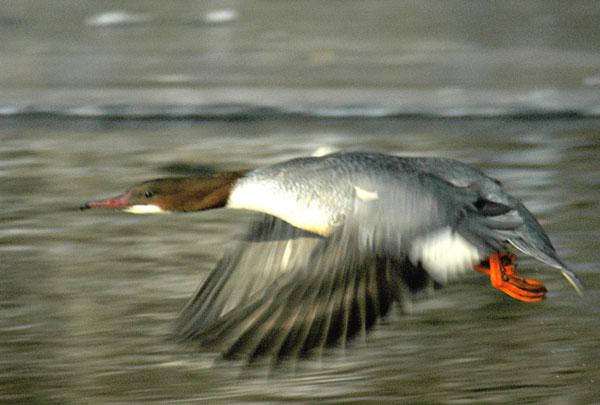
column 89, row 299
column 96, row 96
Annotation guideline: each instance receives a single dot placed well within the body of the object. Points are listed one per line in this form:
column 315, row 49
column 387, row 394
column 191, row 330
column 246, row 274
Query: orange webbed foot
column 501, row 269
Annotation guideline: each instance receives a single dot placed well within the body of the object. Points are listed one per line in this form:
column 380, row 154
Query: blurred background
column 203, row 58
column 96, row 96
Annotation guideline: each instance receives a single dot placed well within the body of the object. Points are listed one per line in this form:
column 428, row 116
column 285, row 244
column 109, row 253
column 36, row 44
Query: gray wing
column 284, row 292
column 269, row 249
column 445, row 228
column 529, row 237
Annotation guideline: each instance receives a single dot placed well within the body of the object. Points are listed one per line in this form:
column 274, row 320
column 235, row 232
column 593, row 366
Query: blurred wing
column 285, row 291
column 335, row 293
column 267, row 251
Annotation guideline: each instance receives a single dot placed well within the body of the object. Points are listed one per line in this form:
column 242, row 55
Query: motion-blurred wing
column 337, row 291
column 271, row 248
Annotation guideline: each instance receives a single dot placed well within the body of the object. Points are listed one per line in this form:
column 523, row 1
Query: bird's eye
column 148, row 193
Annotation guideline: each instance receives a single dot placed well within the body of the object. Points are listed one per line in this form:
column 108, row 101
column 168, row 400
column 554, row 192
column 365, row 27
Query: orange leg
column 501, row 269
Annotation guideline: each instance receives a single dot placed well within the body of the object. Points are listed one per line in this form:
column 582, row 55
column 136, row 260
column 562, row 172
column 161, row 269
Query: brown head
column 177, row 194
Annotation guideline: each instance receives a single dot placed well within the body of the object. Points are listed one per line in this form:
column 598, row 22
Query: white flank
column 444, row 254
column 365, row 195
column 145, row 209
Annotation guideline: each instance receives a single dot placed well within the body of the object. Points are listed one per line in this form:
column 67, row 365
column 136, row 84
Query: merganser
column 344, row 236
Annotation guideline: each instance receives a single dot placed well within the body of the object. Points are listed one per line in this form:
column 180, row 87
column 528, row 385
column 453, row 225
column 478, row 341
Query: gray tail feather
column 532, row 240
column 550, row 259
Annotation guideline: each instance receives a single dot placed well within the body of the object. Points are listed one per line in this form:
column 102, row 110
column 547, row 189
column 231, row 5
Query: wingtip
column 573, row 280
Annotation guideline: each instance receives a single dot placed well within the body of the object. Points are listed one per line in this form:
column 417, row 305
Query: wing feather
column 339, row 290
column 268, row 250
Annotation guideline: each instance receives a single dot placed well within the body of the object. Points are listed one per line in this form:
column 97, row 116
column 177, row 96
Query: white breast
column 263, row 197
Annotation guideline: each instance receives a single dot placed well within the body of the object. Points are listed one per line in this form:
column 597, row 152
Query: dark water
column 88, row 299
